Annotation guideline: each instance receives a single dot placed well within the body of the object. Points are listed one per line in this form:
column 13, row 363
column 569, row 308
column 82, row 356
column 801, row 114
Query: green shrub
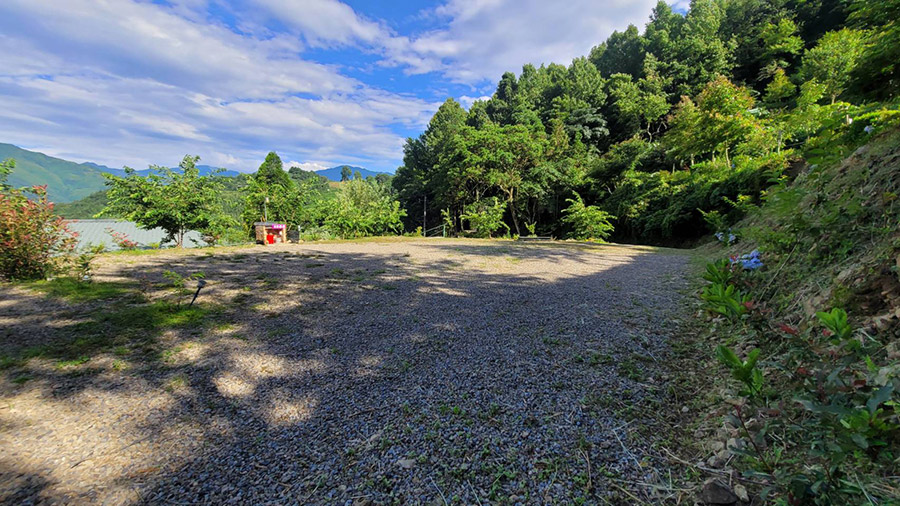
column 587, row 222
column 486, row 216
column 744, row 371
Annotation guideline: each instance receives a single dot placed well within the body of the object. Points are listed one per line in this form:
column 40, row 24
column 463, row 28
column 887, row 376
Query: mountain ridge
column 69, row 181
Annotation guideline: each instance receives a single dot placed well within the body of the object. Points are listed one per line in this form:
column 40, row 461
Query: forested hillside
column 689, row 118
column 66, row 181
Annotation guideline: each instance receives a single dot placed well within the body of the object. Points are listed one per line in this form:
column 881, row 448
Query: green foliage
column 86, row 208
column 34, row 242
column 6, row 168
column 744, row 371
column 725, row 300
column 271, row 195
column 362, row 208
column 836, row 323
column 587, row 222
column 719, row 272
column 485, row 216
column 877, row 73
column 715, row 125
column 833, row 60
column 83, row 264
column 176, row 201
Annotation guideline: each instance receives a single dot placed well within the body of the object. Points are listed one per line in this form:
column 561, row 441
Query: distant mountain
column 67, row 181
column 205, row 170
column 334, row 173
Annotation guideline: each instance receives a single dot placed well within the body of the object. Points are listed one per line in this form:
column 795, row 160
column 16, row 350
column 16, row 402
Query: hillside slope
column 802, row 332
column 67, row 181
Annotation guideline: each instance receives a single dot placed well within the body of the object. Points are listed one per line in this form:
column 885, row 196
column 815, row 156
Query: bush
column 362, row 208
column 486, row 216
column 587, row 222
column 33, row 240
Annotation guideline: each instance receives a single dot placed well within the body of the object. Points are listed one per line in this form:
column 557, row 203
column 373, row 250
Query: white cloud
column 325, row 23
column 310, row 166
column 467, row 101
column 135, row 82
column 120, row 82
column 484, row 38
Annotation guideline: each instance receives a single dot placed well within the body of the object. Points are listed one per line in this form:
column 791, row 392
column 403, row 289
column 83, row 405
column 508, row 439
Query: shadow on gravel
column 318, row 377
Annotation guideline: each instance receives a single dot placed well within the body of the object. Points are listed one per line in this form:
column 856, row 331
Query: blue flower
column 750, row 261
column 727, row 239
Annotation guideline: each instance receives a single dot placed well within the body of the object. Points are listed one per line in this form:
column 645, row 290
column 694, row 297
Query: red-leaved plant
column 33, row 241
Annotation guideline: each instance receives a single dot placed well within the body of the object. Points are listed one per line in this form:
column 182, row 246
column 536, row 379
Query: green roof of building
column 95, row 232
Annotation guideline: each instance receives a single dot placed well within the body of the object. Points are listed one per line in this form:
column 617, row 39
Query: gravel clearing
column 372, row 372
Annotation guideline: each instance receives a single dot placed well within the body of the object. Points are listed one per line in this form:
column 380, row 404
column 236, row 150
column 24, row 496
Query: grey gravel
column 374, row 372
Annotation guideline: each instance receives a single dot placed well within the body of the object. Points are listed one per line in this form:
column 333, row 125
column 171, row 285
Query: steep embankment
column 804, row 389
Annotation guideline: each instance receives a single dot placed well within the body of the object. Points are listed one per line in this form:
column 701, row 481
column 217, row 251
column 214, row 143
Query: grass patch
column 21, row 379
column 113, row 330
column 74, row 290
column 75, row 362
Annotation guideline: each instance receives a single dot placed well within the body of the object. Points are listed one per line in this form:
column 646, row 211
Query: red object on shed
column 270, row 232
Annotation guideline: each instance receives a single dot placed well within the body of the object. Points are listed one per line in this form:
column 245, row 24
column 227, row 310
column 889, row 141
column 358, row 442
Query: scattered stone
column 741, row 492
column 714, row 492
column 407, row 463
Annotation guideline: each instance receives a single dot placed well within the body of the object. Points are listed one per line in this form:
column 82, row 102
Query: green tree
column 779, row 91
column 503, row 156
column 174, row 200
column 878, row 72
column 271, row 172
column 587, row 222
column 622, row 53
column 640, row 104
column 780, row 44
column 720, row 120
column 346, row 173
column 485, row 216
column 363, row 208
column 272, row 194
column 6, row 168
column 833, row 60
column 700, row 53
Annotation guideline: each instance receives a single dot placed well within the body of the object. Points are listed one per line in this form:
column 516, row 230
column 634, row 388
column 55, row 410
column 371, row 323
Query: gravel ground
column 376, row 372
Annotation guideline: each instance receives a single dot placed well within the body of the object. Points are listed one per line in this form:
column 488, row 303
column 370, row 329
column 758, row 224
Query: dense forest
column 656, row 129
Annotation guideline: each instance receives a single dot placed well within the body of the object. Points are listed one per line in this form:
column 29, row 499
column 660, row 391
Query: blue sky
column 322, row 82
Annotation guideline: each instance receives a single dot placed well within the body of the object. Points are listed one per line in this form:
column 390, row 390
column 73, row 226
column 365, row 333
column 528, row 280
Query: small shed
column 269, row 232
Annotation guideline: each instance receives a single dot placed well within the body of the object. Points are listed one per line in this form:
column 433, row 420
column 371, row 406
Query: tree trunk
column 179, row 238
column 512, row 210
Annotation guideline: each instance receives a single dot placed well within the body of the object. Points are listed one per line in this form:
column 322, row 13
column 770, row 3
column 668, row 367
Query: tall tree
column 271, row 172
column 699, row 54
column 878, row 72
column 622, row 53
column 719, row 121
column 174, row 200
column 271, row 194
column 833, row 60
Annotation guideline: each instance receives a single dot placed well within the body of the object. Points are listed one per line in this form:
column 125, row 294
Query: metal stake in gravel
column 200, row 284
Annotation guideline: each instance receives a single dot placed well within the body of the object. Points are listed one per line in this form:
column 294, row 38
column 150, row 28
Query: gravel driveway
column 376, row 372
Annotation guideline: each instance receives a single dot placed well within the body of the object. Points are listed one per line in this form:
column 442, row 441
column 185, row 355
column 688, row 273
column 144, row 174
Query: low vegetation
column 805, row 327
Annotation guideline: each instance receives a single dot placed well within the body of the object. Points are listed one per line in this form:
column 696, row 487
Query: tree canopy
column 175, row 200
